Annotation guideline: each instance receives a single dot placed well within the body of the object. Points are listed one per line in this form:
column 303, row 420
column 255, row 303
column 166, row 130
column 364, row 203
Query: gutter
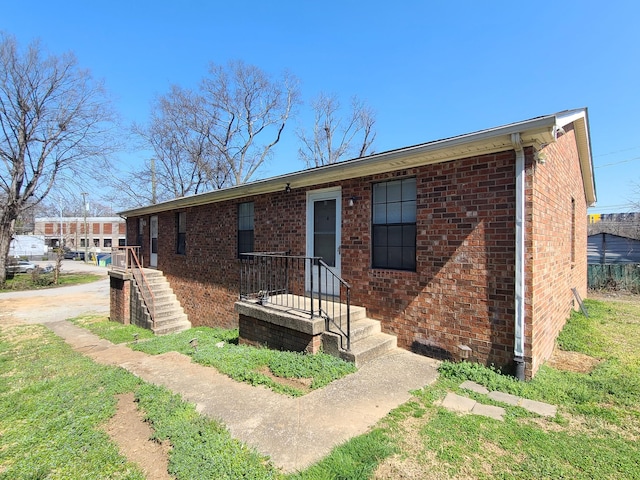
column 518, row 349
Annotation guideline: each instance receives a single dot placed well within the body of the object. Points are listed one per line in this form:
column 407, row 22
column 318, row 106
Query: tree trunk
column 6, row 233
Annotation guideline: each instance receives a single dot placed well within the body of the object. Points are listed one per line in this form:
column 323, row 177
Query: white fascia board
column 580, row 120
column 533, row 132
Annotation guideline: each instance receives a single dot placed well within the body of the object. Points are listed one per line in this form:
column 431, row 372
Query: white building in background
column 27, row 246
column 100, row 233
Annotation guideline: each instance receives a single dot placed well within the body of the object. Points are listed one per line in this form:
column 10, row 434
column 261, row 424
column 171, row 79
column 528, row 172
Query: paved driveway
column 54, row 304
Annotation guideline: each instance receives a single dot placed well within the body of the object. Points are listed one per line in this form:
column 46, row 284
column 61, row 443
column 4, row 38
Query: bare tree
column 178, row 133
column 53, row 118
column 212, row 138
column 335, row 136
column 250, row 111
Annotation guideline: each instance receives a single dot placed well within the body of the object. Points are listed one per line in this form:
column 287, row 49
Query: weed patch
column 219, row 348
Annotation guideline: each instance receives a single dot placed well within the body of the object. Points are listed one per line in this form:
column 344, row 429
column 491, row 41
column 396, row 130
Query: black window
column 107, row 242
column 181, row 227
column 245, row 228
column 140, row 231
column 394, row 224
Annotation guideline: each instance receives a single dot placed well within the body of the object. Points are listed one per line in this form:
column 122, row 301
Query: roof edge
column 536, row 131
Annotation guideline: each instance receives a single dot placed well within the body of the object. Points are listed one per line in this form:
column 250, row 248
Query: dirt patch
column 132, row 434
column 572, row 361
column 303, row 384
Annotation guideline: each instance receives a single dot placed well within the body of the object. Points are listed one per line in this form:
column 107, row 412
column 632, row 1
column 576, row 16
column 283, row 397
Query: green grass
column 594, row 435
column 27, row 281
column 113, row 331
column 218, row 348
column 53, row 402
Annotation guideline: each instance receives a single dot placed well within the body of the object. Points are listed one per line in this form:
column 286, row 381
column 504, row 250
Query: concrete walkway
column 293, row 432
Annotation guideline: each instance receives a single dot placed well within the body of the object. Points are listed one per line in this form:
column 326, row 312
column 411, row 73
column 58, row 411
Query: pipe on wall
column 518, row 349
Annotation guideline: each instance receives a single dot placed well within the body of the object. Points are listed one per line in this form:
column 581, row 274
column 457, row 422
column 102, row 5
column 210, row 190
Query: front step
column 169, row 314
column 367, row 342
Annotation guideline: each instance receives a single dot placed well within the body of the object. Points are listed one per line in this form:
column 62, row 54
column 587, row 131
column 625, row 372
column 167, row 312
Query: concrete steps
column 367, row 340
column 169, row 316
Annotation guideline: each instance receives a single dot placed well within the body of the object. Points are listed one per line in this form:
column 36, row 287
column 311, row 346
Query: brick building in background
column 474, row 241
column 102, row 233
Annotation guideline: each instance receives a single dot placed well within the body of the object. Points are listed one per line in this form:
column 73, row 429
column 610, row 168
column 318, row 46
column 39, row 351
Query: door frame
column 153, row 257
column 332, row 193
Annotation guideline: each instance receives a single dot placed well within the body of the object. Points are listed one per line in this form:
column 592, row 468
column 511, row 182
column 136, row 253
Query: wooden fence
column 614, row 277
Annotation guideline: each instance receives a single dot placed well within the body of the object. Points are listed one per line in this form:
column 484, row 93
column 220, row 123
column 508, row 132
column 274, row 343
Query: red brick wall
column 259, row 333
column 550, row 273
column 119, row 298
column 463, row 289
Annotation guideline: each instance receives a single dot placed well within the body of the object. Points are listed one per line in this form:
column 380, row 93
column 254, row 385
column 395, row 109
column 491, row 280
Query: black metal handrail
column 287, row 282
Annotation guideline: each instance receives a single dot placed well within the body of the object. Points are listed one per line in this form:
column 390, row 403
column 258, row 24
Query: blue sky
column 430, row 69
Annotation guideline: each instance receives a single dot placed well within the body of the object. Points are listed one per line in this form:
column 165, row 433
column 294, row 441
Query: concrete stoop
column 367, row 340
column 169, row 314
column 459, row 403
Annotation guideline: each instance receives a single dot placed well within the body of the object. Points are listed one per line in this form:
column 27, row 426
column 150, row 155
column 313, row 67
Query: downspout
column 518, row 349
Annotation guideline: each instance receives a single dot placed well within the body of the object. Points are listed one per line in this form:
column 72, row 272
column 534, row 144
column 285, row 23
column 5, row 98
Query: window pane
column 409, row 211
column 394, row 212
column 380, row 193
column 380, row 213
column 409, row 236
column 409, row 189
column 324, row 216
column 395, row 236
column 182, row 244
column 380, row 236
column 409, row 258
column 245, row 216
column 182, row 222
column 380, row 257
column 324, row 246
column 394, row 191
column 395, row 257
column 245, row 241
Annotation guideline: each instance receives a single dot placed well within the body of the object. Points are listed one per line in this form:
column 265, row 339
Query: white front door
column 153, row 233
column 324, row 221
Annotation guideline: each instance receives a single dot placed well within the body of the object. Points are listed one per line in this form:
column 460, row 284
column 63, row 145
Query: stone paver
column 458, row 403
column 491, row 411
column 539, row 408
column 504, row 398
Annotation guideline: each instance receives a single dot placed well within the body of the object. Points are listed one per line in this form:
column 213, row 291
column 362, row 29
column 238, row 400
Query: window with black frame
column 181, row 227
column 245, row 228
column 140, row 232
column 394, row 225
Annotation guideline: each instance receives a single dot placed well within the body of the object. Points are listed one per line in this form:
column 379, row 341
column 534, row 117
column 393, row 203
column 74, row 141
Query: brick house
column 473, row 242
